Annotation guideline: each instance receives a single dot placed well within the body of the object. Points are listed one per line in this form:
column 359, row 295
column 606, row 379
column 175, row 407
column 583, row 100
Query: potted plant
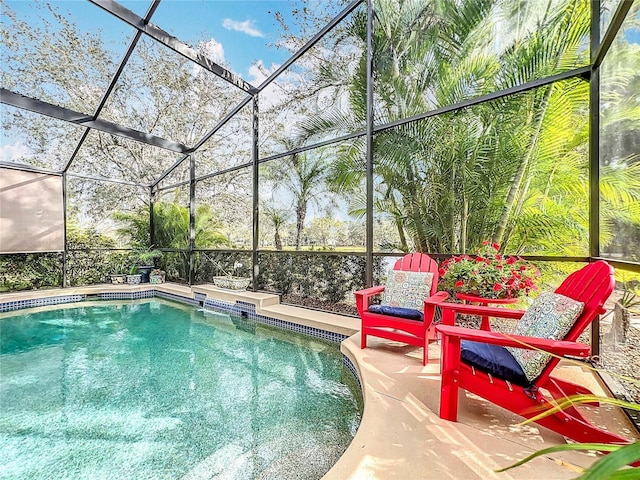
column 488, row 274
column 157, row 276
column 231, row 281
column 134, row 278
column 145, row 262
column 120, row 269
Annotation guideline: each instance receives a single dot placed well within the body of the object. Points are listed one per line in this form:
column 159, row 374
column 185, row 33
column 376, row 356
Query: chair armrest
column 369, row 292
column 430, row 305
column 436, row 299
column 557, row 347
column 363, row 297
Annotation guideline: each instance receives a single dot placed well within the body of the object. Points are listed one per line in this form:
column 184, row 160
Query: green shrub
column 325, row 277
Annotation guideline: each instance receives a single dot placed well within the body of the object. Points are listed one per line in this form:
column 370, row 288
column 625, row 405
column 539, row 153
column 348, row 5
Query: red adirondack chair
column 412, row 332
column 591, row 285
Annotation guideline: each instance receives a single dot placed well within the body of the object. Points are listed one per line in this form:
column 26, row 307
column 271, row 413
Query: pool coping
column 264, row 305
column 400, row 435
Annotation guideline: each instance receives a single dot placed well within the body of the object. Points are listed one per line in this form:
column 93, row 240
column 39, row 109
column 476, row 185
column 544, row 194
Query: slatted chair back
column 590, row 285
column 418, row 262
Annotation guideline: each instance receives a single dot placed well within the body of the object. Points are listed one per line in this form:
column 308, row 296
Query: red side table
column 484, row 301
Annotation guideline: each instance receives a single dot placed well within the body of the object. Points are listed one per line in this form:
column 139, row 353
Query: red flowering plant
column 488, row 274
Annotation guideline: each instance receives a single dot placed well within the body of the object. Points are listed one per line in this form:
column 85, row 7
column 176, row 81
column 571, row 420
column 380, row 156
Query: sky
column 240, row 33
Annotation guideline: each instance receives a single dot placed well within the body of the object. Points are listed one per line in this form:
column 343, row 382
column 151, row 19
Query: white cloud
column 258, row 73
column 213, row 50
column 13, row 152
column 274, row 93
column 247, row 27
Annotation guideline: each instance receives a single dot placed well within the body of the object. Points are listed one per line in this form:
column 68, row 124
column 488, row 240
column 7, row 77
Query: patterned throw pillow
column 550, row 316
column 407, row 289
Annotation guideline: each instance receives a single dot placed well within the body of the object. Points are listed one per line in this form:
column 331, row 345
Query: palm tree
column 278, row 217
column 456, row 179
column 171, row 230
column 302, row 176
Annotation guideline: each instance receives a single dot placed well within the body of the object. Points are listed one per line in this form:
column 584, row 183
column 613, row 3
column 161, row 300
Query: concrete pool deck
column 401, row 435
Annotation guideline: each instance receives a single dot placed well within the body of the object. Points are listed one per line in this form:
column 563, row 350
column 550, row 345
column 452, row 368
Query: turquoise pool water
column 151, row 389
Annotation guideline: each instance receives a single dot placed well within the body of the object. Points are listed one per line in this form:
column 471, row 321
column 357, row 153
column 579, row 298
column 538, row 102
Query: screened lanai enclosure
column 305, row 143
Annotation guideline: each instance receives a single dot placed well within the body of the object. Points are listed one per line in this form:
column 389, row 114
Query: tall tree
column 454, row 180
column 303, row 177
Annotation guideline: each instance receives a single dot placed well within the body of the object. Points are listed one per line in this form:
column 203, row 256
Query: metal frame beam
column 65, row 252
column 207, row 176
column 600, row 48
column 76, row 150
column 579, row 72
column 98, row 178
column 255, row 241
column 621, row 264
column 152, row 227
column 172, row 43
column 43, row 108
column 594, row 137
column 583, row 72
column 164, row 174
column 369, row 151
column 313, row 146
column 594, row 159
column 192, row 216
column 264, row 84
column 224, row 121
column 209, row 134
column 29, row 168
column 171, row 187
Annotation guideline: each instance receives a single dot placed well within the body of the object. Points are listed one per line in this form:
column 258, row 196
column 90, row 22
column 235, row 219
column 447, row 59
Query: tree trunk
column 463, row 225
column 620, row 327
column 519, row 177
column 301, row 213
column 403, row 238
column 277, row 240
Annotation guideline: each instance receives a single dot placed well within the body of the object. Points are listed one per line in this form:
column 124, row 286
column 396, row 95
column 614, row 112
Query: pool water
column 153, row 389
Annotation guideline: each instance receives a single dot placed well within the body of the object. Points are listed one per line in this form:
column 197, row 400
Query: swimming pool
column 156, row 389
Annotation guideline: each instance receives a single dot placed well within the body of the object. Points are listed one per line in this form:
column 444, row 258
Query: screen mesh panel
column 31, row 212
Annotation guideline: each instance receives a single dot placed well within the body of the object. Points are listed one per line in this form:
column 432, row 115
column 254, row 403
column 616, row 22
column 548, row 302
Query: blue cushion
column 401, row 312
column 495, row 360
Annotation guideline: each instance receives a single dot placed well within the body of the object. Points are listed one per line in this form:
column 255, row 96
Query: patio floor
column 401, row 435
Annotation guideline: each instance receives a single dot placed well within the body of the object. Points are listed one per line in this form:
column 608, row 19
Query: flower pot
column 118, row 279
column 134, row 279
column 156, row 278
column 145, row 271
column 232, row 283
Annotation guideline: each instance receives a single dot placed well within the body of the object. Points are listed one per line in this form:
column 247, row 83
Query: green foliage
column 90, row 260
column 510, row 169
column 304, row 177
column 171, row 230
column 144, row 257
column 325, row 277
column 134, row 227
column 28, row 271
column 630, row 297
